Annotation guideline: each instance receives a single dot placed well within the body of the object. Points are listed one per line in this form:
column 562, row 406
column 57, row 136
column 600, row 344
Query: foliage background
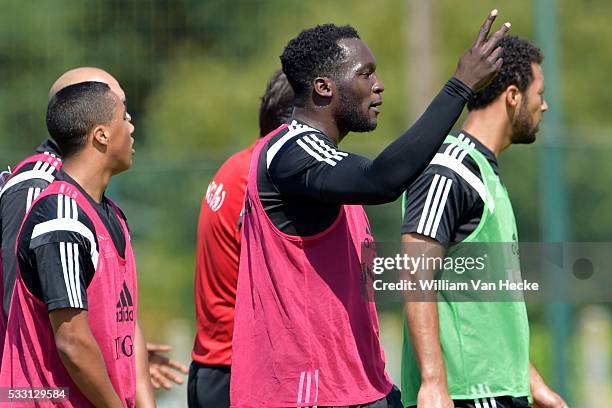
column 194, row 70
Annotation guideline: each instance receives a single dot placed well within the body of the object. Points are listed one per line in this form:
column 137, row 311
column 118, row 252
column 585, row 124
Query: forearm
column 357, row 180
column 85, row 365
column 144, row 388
column 423, row 326
column 422, row 312
column 404, row 159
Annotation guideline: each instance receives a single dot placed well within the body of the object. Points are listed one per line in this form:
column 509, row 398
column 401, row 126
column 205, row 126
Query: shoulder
column 453, row 161
column 300, row 147
column 55, row 218
column 35, row 171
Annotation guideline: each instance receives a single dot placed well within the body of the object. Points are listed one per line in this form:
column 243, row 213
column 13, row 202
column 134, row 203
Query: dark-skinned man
column 475, row 354
column 304, row 335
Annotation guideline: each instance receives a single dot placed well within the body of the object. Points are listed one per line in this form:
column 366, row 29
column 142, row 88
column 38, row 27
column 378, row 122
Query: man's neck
column 90, row 177
column 319, row 120
column 486, row 126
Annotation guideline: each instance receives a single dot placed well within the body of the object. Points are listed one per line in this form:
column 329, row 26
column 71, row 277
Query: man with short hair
column 217, row 257
column 73, row 315
column 304, row 335
column 475, row 354
column 25, row 182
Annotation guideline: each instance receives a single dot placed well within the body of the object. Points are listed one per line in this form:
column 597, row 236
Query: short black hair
column 518, row 55
column 75, row 110
column 276, row 104
column 314, row 52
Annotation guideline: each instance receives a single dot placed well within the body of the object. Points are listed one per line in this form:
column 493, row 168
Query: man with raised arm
column 304, row 335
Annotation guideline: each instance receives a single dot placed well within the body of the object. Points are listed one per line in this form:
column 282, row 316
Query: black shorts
column 208, row 386
column 492, row 402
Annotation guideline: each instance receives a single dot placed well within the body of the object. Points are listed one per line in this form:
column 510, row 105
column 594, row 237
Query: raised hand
column 479, row 65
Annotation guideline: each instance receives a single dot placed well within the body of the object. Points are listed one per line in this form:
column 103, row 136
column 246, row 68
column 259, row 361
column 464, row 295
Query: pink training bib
column 30, row 356
column 45, row 167
column 304, row 333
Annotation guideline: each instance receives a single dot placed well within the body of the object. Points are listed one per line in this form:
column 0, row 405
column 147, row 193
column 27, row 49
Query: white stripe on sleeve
column 440, row 211
column 77, row 273
column 430, row 193
column 314, row 154
column 65, row 270
column 434, row 205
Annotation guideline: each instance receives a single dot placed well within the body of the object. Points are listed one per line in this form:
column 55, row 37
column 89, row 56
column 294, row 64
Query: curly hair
column 314, row 52
column 276, row 104
column 518, row 55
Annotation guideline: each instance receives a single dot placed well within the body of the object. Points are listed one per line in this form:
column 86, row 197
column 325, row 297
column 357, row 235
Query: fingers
column 170, row 375
column 160, row 360
column 177, row 366
column 158, row 347
column 495, row 55
column 158, row 381
column 491, row 44
column 486, row 27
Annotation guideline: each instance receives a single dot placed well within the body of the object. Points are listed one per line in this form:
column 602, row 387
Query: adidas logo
column 125, row 305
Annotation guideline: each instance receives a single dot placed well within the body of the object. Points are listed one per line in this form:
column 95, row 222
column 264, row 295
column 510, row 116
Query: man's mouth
column 375, row 106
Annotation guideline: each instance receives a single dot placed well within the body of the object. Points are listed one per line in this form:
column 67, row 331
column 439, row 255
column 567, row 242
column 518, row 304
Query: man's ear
column 101, row 135
column 322, row 86
column 513, row 96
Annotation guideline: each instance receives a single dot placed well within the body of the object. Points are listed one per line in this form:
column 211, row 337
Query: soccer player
column 303, row 334
column 27, row 180
column 217, row 257
column 73, row 314
column 475, row 354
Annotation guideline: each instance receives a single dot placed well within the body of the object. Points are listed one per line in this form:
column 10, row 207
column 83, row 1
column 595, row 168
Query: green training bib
column 485, row 344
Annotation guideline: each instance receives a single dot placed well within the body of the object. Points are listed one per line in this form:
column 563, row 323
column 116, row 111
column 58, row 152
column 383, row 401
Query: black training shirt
column 441, row 204
column 304, row 177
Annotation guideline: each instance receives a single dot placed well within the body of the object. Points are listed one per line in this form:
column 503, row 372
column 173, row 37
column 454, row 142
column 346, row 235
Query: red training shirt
column 217, row 260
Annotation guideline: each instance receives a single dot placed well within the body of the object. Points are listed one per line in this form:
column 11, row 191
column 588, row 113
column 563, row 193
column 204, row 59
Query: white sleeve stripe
column 328, row 148
column 430, row 193
column 75, row 212
column 315, row 155
column 63, row 224
column 465, row 152
column 37, row 165
column 467, row 175
column 458, row 148
column 67, row 207
column 77, row 274
column 60, row 206
column 316, row 147
column 45, row 167
column 71, row 271
column 321, row 150
column 434, row 228
column 295, row 129
column 27, row 175
column 29, row 199
column 434, row 206
column 450, row 147
column 65, row 270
